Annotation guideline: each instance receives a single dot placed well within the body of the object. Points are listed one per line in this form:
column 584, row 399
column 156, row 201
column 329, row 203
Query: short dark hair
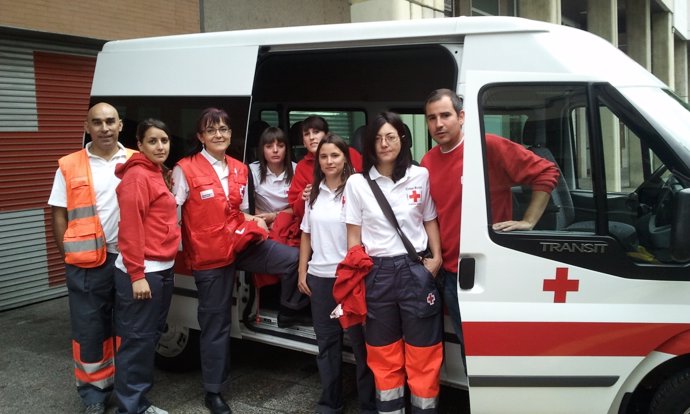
column 269, row 136
column 315, row 122
column 404, row 158
column 208, row 117
column 149, row 123
column 438, row 94
column 348, row 170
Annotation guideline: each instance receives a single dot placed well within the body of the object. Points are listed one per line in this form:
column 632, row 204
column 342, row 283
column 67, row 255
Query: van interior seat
column 561, row 202
column 357, row 139
column 298, row 151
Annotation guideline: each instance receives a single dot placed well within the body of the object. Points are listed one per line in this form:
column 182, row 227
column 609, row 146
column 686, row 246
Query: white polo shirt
column 328, row 232
column 104, row 184
column 411, row 203
column 271, row 195
column 181, row 188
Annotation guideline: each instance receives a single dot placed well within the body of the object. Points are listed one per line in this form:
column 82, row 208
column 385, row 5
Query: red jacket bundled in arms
column 349, row 291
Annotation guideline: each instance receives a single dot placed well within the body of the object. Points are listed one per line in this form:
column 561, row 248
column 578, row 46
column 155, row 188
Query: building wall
column 122, row 19
column 218, row 15
column 377, row 10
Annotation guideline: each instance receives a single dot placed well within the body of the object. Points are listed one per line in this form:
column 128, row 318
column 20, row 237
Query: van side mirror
column 680, row 230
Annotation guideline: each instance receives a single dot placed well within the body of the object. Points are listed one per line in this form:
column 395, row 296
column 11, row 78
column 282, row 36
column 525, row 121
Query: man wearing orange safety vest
column 85, row 223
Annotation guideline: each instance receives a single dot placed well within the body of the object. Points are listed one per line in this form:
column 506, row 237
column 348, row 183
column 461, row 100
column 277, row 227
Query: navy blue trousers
column 91, row 294
column 139, row 324
column 215, row 287
column 329, row 338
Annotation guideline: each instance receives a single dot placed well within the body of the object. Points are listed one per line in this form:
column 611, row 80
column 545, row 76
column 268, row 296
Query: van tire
column 178, row 349
column 673, row 396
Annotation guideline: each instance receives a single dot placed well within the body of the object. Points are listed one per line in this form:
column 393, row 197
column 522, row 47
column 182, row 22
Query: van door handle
column 466, row 273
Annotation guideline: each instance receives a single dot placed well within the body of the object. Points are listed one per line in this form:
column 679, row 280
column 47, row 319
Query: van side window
column 181, row 115
column 614, row 193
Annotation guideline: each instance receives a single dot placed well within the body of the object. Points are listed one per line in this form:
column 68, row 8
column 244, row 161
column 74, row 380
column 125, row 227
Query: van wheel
column 178, row 349
column 673, row 396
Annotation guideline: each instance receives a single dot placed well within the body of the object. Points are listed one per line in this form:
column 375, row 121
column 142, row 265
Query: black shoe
column 215, row 403
column 287, row 317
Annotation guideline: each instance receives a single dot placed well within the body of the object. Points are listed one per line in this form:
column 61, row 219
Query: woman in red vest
column 148, row 240
column 210, row 186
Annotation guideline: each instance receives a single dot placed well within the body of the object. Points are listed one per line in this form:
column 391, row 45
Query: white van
column 590, row 311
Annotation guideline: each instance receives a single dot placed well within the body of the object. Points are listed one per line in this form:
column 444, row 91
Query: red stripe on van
column 573, row 338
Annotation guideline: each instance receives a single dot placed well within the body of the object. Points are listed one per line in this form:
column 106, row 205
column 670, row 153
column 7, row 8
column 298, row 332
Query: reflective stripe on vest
column 81, row 212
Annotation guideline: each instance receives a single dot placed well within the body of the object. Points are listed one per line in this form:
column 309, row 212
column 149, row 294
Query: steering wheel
column 647, row 194
column 658, row 227
column 663, row 210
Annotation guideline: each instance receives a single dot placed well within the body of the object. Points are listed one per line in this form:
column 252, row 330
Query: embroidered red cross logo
column 430, row 299
column 415, row 196
column 561, row 285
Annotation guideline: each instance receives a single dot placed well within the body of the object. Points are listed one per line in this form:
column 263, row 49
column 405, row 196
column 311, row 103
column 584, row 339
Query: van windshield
column 666, row 112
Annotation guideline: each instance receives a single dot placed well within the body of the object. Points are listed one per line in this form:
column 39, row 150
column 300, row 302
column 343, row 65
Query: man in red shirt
column 509, row 164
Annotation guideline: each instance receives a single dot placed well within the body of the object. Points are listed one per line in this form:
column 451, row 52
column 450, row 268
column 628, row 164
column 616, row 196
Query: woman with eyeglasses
column 404, row 324
column 210, row 186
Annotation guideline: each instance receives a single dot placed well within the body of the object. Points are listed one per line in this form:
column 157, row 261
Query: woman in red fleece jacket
column 148, row 241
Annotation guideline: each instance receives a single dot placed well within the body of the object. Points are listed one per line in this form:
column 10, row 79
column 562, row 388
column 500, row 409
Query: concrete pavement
column 36, row 373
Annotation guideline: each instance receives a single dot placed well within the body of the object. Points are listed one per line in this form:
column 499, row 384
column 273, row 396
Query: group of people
column 368, row 273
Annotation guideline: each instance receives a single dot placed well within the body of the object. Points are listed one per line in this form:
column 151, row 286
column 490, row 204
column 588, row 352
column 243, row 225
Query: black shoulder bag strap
column 388, row 212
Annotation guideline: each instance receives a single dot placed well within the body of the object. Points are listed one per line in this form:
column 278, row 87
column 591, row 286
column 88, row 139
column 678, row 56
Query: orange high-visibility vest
column 84, row 239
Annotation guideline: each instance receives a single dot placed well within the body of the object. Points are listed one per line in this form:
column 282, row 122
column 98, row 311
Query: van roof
column 436, row 29
column 170, row 65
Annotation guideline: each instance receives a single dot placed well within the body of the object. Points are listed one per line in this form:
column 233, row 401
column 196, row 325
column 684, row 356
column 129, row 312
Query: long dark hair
column 208, row 117
column 403, row 160
column 318, row 174
column 269, row 136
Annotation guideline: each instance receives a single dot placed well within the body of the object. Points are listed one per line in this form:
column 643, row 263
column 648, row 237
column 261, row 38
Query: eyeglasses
column 390, row 138
column 213, row 131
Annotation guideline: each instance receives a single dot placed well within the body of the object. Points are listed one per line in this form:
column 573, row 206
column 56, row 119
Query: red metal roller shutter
column 42, row 112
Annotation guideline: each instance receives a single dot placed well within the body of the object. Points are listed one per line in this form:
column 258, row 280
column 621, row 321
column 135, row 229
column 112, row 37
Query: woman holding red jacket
column 404, row 323
column 148, row 241
column 323, row 246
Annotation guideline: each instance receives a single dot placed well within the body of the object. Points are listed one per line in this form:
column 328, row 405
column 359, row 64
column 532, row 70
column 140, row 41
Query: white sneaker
column 155, row 410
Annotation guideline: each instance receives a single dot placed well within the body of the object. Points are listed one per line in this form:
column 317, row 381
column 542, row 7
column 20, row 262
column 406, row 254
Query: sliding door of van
column 560, row 317
column 174, row 79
